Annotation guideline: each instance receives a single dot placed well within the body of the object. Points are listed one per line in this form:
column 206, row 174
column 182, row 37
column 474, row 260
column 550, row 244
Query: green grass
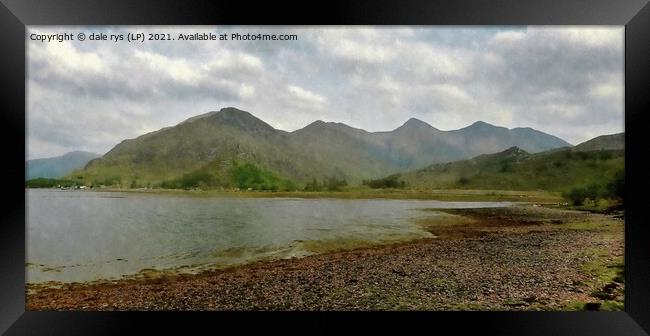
column 612, row 306
column 611, row 229
column 574, row 306
column 604, row 273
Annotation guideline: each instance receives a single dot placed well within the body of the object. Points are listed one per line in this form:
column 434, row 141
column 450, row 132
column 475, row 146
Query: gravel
column 519, row 258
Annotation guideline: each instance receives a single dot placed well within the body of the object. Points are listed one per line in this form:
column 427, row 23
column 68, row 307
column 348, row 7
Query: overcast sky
column 91, row 95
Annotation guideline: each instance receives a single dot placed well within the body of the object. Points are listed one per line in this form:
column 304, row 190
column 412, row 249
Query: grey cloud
column 554, row 79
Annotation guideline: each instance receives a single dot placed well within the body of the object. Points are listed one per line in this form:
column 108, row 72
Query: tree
column 335, row 184
column 576, row 195
column 313, row 186
column 463, row 181
column 616, row 188
column 391, row 181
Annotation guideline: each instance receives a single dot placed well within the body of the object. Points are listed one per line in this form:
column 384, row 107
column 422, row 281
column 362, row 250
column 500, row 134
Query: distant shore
column 516, row 258
column 468, row 195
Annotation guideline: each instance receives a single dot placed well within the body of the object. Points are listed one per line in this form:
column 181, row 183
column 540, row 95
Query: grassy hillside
column 238, row 175
column 515, row 169
column 603, row 142
column 214, row 142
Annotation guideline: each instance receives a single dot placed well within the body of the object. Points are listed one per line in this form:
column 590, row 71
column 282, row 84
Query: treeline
column 329, row 184
column 42, row 182
column 391, row 181
column 249, row 176
column 109, row 181
column 242, row 175
column 613, row 189
column 187, row 181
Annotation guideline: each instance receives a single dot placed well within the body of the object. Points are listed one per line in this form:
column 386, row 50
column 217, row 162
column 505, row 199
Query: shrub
column 289, row 186
column 616, row 188
column 463, row 181
column 335, row 184
column 576, row 195
column 189, row 181
column 247, row 175
column 113, row 180
column 391, row 181
column 313, row 186
column 604, row 155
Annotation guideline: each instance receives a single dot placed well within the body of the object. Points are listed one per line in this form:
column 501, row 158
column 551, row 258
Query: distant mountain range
column 57, row 166
column 209, row 145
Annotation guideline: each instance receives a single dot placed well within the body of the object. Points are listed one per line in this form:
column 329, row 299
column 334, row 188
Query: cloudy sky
column 90, row 95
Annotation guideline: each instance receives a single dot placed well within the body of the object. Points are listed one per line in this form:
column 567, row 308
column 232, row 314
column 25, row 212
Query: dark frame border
column 634, row 14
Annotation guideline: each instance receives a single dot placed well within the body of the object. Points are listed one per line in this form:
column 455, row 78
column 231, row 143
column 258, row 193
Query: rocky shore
column 517, row 258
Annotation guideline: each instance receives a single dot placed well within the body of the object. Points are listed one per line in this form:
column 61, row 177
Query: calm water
column 84, row 236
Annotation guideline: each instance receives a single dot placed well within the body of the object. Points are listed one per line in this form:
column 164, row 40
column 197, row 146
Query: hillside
column 208, row 146
column 59, row 166
column 203, row 151
column 516, row 169
column 603, row 142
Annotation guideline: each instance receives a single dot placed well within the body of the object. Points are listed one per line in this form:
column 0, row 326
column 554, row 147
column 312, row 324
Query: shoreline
column 467, row 195
column 517, row 258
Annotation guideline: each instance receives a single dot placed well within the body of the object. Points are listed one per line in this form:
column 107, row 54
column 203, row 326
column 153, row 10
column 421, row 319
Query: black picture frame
column 16, row 14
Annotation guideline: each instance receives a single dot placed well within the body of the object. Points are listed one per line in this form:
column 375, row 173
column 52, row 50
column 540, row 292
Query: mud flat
column 516, row 258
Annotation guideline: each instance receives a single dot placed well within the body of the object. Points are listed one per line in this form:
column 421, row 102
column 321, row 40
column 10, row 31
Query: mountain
column 603, row 142
column 213, row 148
column 416, row 144
column 57, row 166
column 210, row 142
column 481, row 137
column 516, row 169
column 338, row 150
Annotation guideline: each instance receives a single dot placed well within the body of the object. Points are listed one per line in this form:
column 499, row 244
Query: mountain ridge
column 57, row 166
column 614, row 141
column 208, row 142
